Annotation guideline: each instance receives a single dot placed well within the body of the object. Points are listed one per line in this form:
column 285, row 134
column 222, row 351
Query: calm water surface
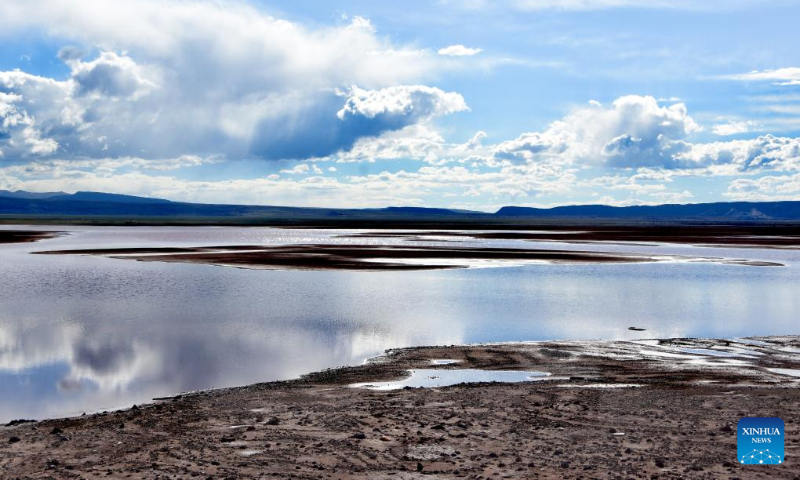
column 80, row 334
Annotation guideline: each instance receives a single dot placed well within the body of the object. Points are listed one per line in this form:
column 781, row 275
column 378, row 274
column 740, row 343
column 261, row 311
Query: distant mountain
column 743, row 211
column 104, row 197
column 98, row 204
column 97, row 207
column 425, row 211
column 24, row 194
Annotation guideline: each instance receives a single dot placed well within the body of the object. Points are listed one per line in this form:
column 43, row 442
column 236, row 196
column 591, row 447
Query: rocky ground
column 648, row 409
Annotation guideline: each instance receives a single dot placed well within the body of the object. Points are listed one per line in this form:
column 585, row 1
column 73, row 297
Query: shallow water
column 792, row 372
column 432, row 378
column 82, row 333
column 444, row 362
column 709, row 352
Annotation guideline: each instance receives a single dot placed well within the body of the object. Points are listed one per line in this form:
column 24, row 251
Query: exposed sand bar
column 24, row 236
column 371, row 257
column 615, row 409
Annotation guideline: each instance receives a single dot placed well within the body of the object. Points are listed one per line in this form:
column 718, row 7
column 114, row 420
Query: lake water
column 81, row 334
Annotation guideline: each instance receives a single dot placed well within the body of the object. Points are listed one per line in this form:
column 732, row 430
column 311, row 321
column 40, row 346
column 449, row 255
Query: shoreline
column 381, row 257
column 25, row 236
column 318, row 425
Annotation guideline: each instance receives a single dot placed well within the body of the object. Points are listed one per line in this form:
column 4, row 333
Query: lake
column 82, row 333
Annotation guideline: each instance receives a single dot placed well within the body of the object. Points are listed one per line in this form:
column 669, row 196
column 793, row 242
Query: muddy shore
column 371, row 257
column 787, row 237
column 615, row 409
column 348, row 257
column 24, row 236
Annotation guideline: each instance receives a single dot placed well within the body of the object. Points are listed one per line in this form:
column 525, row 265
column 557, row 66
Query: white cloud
column 779, row 76
column 766, row 152
column 362, row 23
column 734, row 127
column 211, row 78
column 638, row 132
column 300, row 168
column 767, row 188
column 634, row 131
column 417, row 142
column 417, row 102
column 20, row 133
column 459, row 51
column 110, row 75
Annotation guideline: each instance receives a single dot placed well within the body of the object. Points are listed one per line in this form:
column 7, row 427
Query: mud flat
column 24, row 236
column 613, row 409
column 774, row 236
column 371, row 257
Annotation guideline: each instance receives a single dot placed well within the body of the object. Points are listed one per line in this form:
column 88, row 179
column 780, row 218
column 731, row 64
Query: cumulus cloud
column 335, row 121
column 638, row 132
column 21, row 134
column 417, row 102
column 417, row 142
column 110, row 75
column 163, row 79
column 459, row 51
column 766, row 188
column 635, row 131
column 766, row 152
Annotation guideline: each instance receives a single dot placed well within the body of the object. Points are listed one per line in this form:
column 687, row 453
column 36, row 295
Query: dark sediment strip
column 744, row 236
column 370, row 257
column 351, row 257
column 24, row 236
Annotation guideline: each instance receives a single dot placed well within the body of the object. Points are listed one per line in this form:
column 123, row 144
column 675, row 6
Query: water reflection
column 434, row 378
column 85, row 333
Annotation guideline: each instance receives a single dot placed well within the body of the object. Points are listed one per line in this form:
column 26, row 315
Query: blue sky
column 468, row 104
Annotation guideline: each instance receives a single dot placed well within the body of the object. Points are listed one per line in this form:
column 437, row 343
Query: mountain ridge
column 21, row 203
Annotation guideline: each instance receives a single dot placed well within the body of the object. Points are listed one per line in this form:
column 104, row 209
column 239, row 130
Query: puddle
column 249, row 453
column 792, row 372
column 604, row 385
column 709, row 352
column 774, row 346
column 432, row 378
column 757, row 343
column 444, row 361
column 718, row 362
column 655, row 353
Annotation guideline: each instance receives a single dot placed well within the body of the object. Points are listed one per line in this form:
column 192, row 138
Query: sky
column 471, row 104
